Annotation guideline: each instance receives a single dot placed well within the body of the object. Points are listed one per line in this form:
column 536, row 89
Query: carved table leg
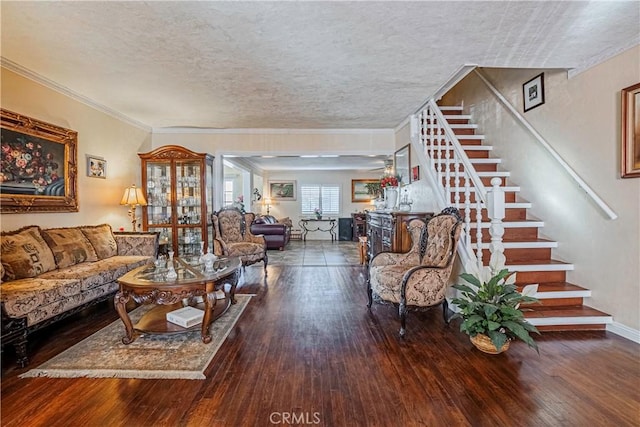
column 234, row 282
column 209, row 304
column 120, row 302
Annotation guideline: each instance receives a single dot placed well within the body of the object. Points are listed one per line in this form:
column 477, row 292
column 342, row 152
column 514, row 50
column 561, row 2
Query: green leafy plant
column 490, row 305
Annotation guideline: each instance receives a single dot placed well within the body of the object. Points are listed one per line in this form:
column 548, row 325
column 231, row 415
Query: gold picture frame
column 630, row 136
column 363, row 190
column 39, row 166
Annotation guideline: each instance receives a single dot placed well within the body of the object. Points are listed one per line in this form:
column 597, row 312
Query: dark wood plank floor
column 307, row 350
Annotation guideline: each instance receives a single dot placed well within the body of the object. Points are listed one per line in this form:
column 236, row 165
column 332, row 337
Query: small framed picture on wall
column 533, row 92
column 96, row 167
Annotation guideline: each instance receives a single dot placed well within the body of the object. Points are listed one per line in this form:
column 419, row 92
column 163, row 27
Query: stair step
column 561, row 290
column 512, row 224
column 473, row 161
column 566, row 318
column 504, row 174
column 450, row 108
column 477, row 147
column 473, row 189
column 521, row 244
column 539, row 265
column 558, row 294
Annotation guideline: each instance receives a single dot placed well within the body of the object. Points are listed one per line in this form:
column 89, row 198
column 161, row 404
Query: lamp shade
column 133, row 196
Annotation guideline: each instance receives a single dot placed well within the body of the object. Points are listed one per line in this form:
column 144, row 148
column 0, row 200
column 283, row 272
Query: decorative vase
column 391, row 197
column 318, row 216
column 484, row 344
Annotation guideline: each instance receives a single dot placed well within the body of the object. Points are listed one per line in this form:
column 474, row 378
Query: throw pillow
column 69, row 246
column 102, row 240
column 286, row 221
column 25, row 254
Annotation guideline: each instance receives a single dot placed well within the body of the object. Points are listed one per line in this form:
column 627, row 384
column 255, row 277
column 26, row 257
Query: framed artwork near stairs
column 533, row 92
column 630, row 150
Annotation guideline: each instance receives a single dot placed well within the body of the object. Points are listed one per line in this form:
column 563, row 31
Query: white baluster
column 447, row 156
column 432, row 135
column 456, row 182
column 467, row 209
column 479, row 232
column 496, row 212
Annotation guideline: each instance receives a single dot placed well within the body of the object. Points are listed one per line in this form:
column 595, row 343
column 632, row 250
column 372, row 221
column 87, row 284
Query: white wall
column 581, row 120
column 99, row 134
column 292, row 209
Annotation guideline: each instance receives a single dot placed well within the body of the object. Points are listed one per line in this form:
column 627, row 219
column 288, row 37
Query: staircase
column 561, row 305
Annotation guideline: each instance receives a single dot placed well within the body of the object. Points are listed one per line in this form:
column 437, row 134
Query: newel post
column 496, row 212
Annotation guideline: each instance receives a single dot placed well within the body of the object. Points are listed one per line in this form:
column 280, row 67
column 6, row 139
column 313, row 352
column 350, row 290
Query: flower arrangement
column 239, row 203
column 390, row 180
column 318, row 212
column 490, row 304
column 25, row 160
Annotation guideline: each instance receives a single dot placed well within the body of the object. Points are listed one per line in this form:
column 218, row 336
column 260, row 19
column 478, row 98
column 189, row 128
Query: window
column 228, row 192
column 324, row 197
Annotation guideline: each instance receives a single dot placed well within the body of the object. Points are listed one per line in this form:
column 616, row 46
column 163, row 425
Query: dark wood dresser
column 387, row 231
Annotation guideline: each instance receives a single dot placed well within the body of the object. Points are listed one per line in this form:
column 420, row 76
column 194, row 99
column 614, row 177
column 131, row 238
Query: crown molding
column 31, row 75
column 277, row 131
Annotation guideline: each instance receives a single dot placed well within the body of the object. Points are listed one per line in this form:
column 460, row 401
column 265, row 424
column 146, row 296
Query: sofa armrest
column 269, row 229
column 145, row 243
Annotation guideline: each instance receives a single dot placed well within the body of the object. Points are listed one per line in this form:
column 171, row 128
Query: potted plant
column 490, row 307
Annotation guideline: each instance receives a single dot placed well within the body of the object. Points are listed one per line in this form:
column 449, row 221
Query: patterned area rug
column 180, row 356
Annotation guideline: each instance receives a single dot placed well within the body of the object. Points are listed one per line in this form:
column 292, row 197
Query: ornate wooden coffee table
column 149, row 285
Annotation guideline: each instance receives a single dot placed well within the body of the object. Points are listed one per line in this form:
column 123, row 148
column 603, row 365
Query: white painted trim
column 512, row 224
column 490, row 161
column 578, row 320
column 520, row 245
column 624, row 331
column 469, row 137
column 503, row 174
column 540, row 267
column 463, row 126
column 473, row 189
column 50, row 84
column 563, row 294
column 592, row 194
column 277, row 131
column 477, row 148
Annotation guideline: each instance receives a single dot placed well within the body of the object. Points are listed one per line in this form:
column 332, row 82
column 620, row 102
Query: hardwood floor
column 307, row 351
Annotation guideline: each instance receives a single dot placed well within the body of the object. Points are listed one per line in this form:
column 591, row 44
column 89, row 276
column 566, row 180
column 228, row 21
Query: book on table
column 186, row 316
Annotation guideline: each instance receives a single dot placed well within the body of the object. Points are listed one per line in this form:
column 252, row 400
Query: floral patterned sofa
column 49, row 274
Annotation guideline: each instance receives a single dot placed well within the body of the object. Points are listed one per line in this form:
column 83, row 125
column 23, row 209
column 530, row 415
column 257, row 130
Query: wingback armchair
column 233, row 237
column 418, row 278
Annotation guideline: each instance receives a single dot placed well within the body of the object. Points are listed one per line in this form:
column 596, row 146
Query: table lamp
column 267, row 202
column 133, row 197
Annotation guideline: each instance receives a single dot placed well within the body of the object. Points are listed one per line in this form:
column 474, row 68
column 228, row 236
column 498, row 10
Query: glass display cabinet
column 178, row 184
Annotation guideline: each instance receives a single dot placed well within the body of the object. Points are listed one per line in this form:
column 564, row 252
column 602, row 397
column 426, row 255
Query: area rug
column 180, row 356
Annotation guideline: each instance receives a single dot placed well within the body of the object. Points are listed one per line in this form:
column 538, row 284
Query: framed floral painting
column 39, row 166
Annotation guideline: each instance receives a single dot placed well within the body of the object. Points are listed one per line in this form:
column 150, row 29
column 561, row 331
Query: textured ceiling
column 295, row 64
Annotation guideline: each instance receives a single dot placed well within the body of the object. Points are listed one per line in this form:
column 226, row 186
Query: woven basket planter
column 484, row 343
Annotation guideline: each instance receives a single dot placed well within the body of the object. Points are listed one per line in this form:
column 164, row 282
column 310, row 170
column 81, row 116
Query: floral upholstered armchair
column 418, row 278
column 233, row 237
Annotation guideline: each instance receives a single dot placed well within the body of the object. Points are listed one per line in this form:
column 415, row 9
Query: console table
column 327, row 225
